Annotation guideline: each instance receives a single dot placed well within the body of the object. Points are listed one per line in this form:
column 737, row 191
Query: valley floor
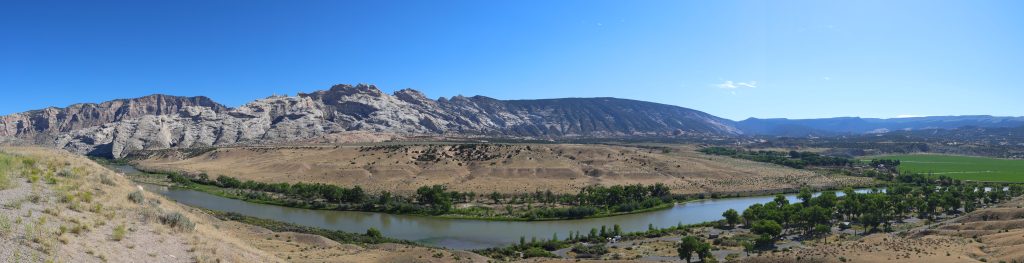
column 503, row 168
column 60, row 207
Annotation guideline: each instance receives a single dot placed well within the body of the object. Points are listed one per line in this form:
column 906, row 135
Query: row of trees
column 907, row 196
column 436, row 199
column 428, row 199
column 792, row 159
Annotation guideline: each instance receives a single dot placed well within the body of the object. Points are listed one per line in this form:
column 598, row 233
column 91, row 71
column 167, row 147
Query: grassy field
column 963, row 167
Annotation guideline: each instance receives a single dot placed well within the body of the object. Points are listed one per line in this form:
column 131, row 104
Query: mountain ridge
column 858, row 125
column 365, row 113
column 117, row 127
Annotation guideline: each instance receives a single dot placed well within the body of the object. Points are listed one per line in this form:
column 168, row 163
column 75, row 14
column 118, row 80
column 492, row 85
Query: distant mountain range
column 117, row 127
column 854, row 125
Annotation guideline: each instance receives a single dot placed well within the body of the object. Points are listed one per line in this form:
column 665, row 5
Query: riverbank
column 227, row 193
column 526, row 211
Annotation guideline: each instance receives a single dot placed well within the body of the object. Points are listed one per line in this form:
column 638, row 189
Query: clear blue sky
column 735, row 59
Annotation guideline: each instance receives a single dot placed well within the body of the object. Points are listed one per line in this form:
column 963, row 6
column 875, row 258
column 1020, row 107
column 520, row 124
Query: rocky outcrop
column 54, row 121
column 159, row 122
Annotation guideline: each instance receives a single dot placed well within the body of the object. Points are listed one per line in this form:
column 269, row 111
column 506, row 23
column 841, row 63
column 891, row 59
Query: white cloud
column 728, row 84
column 907, row 116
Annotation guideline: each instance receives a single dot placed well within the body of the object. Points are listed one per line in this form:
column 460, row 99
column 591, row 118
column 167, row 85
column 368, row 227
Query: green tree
column 780, row 201
column 228, row 182
column 731, row 217
column 747, row 247
column 435, row 197
column 496, row 197
column 826, row 200
column 805, row 195
column 822, row 230
column 373, row 232
column 688, row 246
column 767, row 227
column 815, row 215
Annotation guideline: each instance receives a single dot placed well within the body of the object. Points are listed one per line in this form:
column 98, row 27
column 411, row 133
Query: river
column 460, row 233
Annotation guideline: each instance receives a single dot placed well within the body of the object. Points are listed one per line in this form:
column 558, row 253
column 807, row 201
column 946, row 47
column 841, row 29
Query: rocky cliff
column 158, row 122
column 55, row 121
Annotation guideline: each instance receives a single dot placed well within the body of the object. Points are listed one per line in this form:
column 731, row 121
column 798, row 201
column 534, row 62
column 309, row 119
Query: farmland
column 963, row 167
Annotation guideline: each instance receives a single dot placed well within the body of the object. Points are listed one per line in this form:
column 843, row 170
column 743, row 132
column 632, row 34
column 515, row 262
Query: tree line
column 912, row 195
column 793, row 159
column 438, row 200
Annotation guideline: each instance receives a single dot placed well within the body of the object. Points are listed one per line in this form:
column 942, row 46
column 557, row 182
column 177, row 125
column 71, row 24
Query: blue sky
column 734, row 59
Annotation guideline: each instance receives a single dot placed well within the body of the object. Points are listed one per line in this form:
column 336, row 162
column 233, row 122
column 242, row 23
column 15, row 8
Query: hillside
column 483, row 168
column 60, row 207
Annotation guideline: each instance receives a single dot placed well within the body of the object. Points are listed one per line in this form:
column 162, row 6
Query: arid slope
column 61, row 207
column 482, row 168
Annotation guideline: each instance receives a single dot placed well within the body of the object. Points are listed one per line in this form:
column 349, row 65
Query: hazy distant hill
column 158, row 121
column 854, row 125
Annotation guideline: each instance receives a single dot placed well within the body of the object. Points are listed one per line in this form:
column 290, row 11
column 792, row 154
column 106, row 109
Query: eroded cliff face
column 52, row 121
column 158, row 122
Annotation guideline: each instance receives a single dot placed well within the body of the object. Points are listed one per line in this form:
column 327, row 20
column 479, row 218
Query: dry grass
column 78, row 211
column 503, row 168
column 60, row 209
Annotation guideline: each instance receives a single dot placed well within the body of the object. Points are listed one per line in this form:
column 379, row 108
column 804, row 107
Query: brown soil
column 506, row 168
column 879, row 248
column 40, row 223
column 298, row 247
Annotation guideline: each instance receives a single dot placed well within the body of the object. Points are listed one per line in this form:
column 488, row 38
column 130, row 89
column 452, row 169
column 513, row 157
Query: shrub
column 373, row 232
column 5, row 225
column 106, row 180
column 179, row 179
column 536, row 252
column 66, row 172
column 228, row 182
column 5, row 180
column 5, row 170
column 136, row 197
column 119, row 233
column 592, row 251
column 178, row 221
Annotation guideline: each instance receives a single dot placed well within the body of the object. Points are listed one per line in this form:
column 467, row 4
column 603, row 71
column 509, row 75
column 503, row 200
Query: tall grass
column 6, row 168
column 118, row 233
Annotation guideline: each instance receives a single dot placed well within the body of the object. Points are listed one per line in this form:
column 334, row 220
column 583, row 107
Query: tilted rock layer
column 117, row 127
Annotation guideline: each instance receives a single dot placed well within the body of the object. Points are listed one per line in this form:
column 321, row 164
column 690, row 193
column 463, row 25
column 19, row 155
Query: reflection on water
column 460, row 233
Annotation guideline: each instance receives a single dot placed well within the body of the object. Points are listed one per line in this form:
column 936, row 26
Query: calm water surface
column 461, row 233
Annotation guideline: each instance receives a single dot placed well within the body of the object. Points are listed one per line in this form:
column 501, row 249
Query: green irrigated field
column 963, row 167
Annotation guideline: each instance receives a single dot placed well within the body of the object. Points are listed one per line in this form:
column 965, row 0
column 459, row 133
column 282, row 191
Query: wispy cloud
column 728, row 84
